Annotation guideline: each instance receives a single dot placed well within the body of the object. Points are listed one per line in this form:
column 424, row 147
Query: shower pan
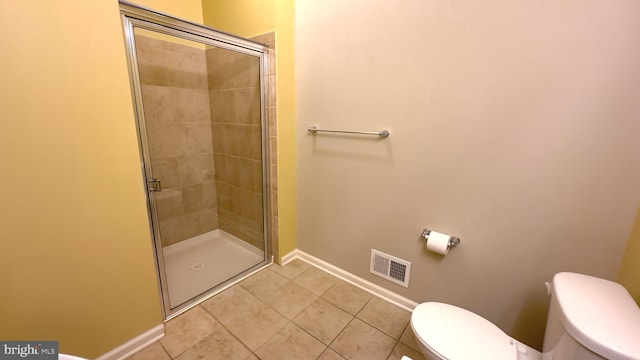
column 200, row 101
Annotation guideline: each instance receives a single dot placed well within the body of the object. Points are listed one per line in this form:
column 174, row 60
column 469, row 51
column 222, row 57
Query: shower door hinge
column 154, row 184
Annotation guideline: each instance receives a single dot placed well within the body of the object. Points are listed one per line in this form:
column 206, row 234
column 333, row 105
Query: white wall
column 513, row 125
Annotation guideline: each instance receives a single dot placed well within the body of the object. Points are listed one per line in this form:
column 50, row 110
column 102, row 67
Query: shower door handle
column 155, row 185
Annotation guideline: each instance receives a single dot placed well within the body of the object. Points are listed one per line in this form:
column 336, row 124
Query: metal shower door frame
column 135, row 16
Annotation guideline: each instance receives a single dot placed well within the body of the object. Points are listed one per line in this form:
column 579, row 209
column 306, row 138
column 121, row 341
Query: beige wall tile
column 198, row 139
column 274, row 206
column 207, row 220
column 210, row 194
column 232, row 139
column 273, row 119
column 169, row 64
column 195, row 169
column 241, row 68
column 193, row 198
column 264, row 38
column 185, row 122
column 169, row 203
column 247, row 106
column 188, row 94
column 166, row 169
column 246, row 173
column 170, row 104
column 223, row 109
column 166, row 139
column 217, row 137
column 176, row 229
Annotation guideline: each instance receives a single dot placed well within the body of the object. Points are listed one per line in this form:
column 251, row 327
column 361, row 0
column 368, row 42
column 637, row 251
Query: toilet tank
column 591, row 318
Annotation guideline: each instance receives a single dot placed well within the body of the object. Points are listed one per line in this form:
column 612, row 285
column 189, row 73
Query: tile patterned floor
column 292, row 312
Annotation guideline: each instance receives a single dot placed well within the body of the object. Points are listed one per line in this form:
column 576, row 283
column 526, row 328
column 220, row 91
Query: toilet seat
column 454, row 333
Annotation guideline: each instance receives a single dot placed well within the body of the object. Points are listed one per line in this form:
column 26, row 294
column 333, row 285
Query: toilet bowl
column 589, row 319
column 445, row 331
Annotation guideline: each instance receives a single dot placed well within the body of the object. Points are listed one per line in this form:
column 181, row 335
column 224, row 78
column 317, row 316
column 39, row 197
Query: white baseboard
column 134, row 345
column 284, row 260
column 363, row 284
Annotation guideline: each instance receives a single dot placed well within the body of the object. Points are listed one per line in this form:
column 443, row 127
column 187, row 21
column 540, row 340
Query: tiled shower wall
column 202, row 110
column 234, row 96
column 178, row 122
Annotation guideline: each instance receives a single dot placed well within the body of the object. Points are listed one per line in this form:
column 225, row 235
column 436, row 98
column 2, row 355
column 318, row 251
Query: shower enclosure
column 200, row 99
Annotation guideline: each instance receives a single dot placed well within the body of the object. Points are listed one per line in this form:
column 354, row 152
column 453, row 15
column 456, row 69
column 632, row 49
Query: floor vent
column 390, row 268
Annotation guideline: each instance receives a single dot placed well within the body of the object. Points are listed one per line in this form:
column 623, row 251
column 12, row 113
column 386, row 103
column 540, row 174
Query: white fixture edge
column 134, row 345
column 352, row 279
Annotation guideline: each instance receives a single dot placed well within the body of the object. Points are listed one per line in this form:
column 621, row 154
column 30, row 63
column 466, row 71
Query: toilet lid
column 458, row 334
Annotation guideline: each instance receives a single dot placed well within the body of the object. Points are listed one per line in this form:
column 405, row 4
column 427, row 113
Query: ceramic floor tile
column 255, row 316
column 316, row 280
column 290, row 300
column 249, row 319
column 409, row 339
column 330, row 355
column 187, row 329
column 292, row 269
column 291, row 343
column 219, row 345
column 347, row 297
column 401, row 350
column 360, row 341
column 386, row 317
column 264, row 283
column 154, row 351
column 323, row 320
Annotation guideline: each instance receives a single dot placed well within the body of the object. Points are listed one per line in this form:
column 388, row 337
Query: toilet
column 589, row 318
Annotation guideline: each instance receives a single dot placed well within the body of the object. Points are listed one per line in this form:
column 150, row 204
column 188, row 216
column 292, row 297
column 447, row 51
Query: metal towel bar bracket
column 382, row 133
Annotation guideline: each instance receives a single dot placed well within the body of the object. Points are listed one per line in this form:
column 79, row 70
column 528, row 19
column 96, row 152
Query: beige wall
column 513, row 125
column 629, row 273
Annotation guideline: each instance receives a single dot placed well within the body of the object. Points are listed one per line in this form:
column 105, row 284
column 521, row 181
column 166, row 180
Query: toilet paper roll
column 438, row 243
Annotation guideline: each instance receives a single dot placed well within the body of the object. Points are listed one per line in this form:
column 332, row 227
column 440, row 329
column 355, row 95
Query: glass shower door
column 201, row 135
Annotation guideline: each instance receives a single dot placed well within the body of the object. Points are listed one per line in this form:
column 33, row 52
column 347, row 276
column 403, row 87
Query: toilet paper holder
column 453, row 240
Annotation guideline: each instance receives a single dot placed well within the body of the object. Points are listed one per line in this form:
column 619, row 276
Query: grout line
column 231, row 332
column 291, row 321
column 371, row 288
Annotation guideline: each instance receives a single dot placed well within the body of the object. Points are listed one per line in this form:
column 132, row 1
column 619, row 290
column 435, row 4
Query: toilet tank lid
column 598, row 313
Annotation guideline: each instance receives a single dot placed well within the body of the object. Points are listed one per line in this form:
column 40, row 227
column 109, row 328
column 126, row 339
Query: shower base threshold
column 196, row 265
